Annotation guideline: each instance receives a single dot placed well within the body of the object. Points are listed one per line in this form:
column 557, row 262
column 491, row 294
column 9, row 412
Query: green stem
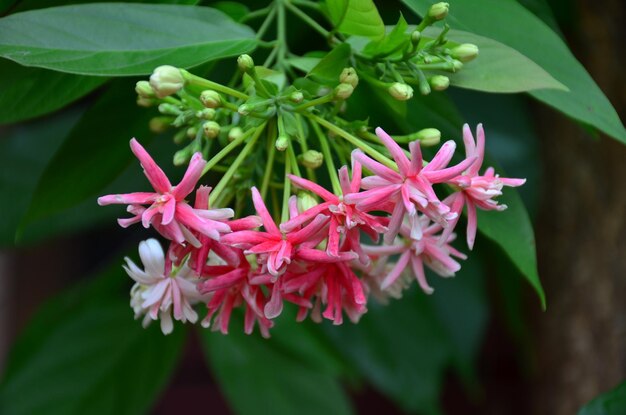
column 302, row 140
column 328, row 159
column 354, row 141
column 271, row 152
column 316, row 101
column 305, row 3
column 267, row 22
column 291, row 154
column 206, row 84
column 226, row 150
column 308, row 20
column 270, row 58
column 281, row 28
column 286, row 191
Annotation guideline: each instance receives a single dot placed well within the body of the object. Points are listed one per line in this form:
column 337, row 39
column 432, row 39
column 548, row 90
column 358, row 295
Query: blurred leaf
column 498, row 67
column 510, row 23
column 93, row 155
column 24, row 5
column 83, row 353
column 31, row 92
column 120, row 39
column 396, row 40
column 304, row 63
column 356, row 17
column 235, row 10
column 327, row 70
column 609, row 403
column 275, row 376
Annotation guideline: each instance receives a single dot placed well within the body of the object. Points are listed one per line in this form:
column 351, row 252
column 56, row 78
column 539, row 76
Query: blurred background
column 512, row 357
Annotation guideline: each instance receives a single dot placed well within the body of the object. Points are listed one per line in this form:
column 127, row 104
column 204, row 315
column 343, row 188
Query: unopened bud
column 343, row 91
column 206, row 114
column 296, row 97
column 416, row 36
column 169, row 109
column 311, row 159
column 211, row 129
column 439, row 82
column 428, row 136
column 349, row 76
column 438, row 11
column 211, row 99
column 465, row 52
column 245, row 62
column 282, row 142
column 159, row 125
column 244, row 109
column 456, row 65
column 166, row 80
column 424, row 87
column 182, row 157
column 192, row 132
column 305, row 201
column 144, row 90
column 400, row 91
column 180, row 137
column 145, row 102
column 235, row 133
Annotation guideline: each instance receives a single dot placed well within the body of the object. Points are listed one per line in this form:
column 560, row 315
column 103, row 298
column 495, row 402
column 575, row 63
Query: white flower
column 157, row 295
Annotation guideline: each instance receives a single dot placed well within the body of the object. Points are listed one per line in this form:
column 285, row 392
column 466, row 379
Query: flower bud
column 159, row 125
column 144, row 90
column 211, row 129
column 465, row 52
column 145, row 102
column 192, row 132
column 166, row 80
column 182, row 157
column 428, row 136
column 416, row 36
column 439, row 82
column 282, row 142
column 235, row 133
column 169, row 109
column 206, row 114
column 211, row 99
column 305, row 201
column 296, row 97
column 456, row 65
column 180, row 137
column 400, row 91
column 343, row 91
column 349, row 76
column 245, row 62
column 311, row 159
column 438, row 11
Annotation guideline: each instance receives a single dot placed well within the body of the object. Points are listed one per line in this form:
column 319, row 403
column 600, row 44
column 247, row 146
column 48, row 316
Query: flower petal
column 153, row 172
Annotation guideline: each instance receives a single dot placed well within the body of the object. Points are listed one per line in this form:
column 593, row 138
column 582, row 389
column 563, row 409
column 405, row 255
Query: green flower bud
column 424, row 88
column 144, row 90
column 159, row 125
column 296, row 97
column 180, row 137
column 192, row 132
column 311, row 159
column 343, row 91
column 465, row 52
column 400, row 91
column 206, row 114
column 244, row 109
column 416, row 36
column 211, row 129
column 211, row 99
column 305, row 201
column 146, row 102
column 438, row 11
column 182, row 157
column 235, row 133
column 282, row 142
column 439, row 82
column 245, row 62
column 169, row 109
column 166, row 80
column 428, row 136
column 349, row 76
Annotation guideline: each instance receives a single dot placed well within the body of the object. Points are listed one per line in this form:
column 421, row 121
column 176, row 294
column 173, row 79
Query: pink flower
column 410, row 189
column 158, row 292
column 168, row 212
column 475, row 190
column 428, row 250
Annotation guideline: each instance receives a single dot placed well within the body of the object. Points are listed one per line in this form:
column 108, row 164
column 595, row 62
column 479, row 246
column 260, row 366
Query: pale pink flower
column 169, row 212
column 158, row 293
column 476, row 190
column 410, row 189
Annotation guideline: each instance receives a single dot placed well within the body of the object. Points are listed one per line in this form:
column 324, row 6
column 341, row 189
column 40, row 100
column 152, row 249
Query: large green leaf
column 356, row 17
column 84, row 353
column 498, row 68
column 510, row 23
column 30, row 92
column 275, row 376
column 121, row 39
column 609, row 403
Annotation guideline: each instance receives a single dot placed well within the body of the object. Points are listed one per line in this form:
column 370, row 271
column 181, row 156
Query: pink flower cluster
column 315, row 259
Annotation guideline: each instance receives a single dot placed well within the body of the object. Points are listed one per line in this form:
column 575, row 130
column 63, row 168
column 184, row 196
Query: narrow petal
column 152, row 256
column 202, row 197
column 395, row 150
column 396, row 270
column 440, row 176
column 472, row 224
column 418, row 270
column 139, row 198
column 192, row 175
column 153, row 172
column 314, row 188
column 376, row 168
column 169, row 209
column 268, row 222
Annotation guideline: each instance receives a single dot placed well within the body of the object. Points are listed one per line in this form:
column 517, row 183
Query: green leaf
column 510, row 23
column 31, row 92
column 609, row 403
column 235, row 10
column 304, row 63
column 395, row 41
column 276, row 377
column 84, row 353
column 327, row 71
column 498, row 67
column 121, row 39
column 356, row 17
column 93, row 155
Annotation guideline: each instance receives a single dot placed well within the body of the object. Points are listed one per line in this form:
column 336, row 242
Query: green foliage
column 121, row 39
column 356, row 17
column 609, row 403
column 396, row 40
column 328, row 69
column 83, row 353
column 510, row 23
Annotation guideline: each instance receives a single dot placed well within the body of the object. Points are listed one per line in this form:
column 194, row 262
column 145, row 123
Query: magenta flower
column 410, row 189
column 475, row 190
column 169, row 212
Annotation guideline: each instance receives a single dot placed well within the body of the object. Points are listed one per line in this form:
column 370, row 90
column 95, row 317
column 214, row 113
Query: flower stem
column 305, row 18
column 271, row 151
column 291, row 154
column 226, row 150
column 257, row 13
column 267, row 22
column 317, row 101
column 286, row 191
column 328, row 159
column 205, row 83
